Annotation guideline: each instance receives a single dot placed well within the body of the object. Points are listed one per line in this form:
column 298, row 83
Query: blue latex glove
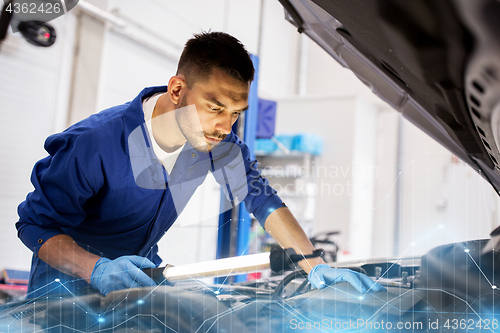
column 121, row 273
column 322, row 275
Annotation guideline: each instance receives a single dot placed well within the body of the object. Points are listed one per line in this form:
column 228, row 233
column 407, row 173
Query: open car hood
column 436, row 62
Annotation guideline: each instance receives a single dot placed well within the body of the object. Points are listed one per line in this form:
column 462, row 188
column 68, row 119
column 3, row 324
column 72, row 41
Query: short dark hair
column 209, row 50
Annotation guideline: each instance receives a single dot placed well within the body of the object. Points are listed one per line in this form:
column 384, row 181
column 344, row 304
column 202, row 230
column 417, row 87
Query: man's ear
column 176, row 85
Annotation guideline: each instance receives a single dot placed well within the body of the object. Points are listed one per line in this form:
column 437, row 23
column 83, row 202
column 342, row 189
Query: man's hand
column 121, row 273
column 322, row 275
column 288, row 233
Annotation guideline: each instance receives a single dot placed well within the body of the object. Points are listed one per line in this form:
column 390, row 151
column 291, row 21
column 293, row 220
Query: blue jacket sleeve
column 59, row 196
column 234, row 168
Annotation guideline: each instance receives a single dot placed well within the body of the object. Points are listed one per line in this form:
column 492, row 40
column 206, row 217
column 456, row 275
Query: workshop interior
column 376, row 121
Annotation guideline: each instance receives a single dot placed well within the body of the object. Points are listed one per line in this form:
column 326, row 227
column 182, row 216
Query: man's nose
column 224, row 123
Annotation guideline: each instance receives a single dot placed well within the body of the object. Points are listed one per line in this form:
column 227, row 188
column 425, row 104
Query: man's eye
column 214, row 109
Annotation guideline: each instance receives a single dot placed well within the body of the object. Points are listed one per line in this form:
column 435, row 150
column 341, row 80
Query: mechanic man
column 115, row 182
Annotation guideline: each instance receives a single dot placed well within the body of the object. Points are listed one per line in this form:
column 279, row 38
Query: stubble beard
column 195, row 137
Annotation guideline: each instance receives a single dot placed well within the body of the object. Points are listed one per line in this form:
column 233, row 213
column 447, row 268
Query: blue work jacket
column 103, row 185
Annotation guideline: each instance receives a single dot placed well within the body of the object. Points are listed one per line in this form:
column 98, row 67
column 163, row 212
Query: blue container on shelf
column 308, row 143
column 286, row 140
column 303, row 143
column 265, row 146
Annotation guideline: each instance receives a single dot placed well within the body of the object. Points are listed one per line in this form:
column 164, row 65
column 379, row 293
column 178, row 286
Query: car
column 436, row 62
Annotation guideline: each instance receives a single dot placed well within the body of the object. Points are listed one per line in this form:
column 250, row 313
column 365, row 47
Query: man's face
column 208, row 110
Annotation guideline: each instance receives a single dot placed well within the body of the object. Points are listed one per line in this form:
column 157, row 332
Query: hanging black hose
column 290, row 277
column 300, row 288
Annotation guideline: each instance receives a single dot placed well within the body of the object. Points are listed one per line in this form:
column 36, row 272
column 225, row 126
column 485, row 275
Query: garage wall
column 34, row 90
column 385, row 187
column 442, row 199
column 326, row 76
column 333, row 118
column 279, row 54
